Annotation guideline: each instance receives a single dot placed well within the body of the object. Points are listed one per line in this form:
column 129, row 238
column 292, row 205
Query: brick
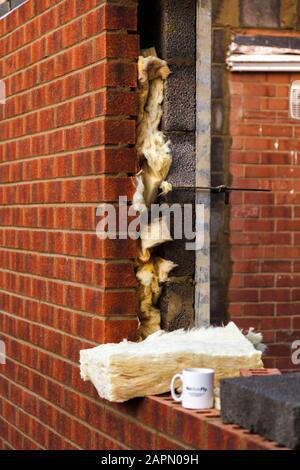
column 243, row 295
column 163, row 443
column 257, row 143
column 117, row 103
column 258, row 372
column 288, row 309
column 275, row 295
column 275, row 323
column 120, row 74
column 223, row 437
column 190, row 431
column 262, row 309
column 122, row 46
column 287, row 280
column 119, row 17
column 259, row 198
column 277, row 212
column 259, row 90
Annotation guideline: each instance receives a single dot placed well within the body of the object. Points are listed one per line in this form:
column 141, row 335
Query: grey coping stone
column 268, row 406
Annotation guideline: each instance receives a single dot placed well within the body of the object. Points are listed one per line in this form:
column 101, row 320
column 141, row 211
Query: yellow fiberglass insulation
column 151, row 276
column 155, row 161
column 152, row 147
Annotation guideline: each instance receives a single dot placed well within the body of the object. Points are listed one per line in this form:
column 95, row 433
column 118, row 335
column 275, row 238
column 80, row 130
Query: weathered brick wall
column 67, row 135
column 255, row 252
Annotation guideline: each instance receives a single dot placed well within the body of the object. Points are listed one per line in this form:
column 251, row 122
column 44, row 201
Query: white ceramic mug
column 197, row 389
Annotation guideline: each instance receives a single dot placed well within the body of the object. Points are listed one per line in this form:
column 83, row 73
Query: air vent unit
column 295, row 100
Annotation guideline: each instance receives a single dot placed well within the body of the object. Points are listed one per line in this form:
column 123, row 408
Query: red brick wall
column 265, row 242
column 67, row 134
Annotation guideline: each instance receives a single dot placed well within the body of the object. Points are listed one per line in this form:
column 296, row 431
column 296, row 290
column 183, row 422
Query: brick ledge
column 204, row 430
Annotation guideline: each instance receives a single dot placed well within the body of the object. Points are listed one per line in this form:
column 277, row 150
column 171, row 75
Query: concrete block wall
column 170, row 26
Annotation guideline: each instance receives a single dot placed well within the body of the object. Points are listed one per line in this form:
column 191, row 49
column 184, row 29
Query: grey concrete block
column 176, row 250
column 269, row 406
column 179, row 107
column 177, row 304
column 178, row 29
column 179, row 196
column 260, row 14
column 182, row 172
column 185, row 259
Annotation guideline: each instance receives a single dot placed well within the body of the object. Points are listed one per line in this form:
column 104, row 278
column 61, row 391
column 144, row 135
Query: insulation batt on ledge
column 155, row 161
column 127, row 370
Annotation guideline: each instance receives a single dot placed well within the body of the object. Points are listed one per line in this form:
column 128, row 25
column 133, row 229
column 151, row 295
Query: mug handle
column 176, row 397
